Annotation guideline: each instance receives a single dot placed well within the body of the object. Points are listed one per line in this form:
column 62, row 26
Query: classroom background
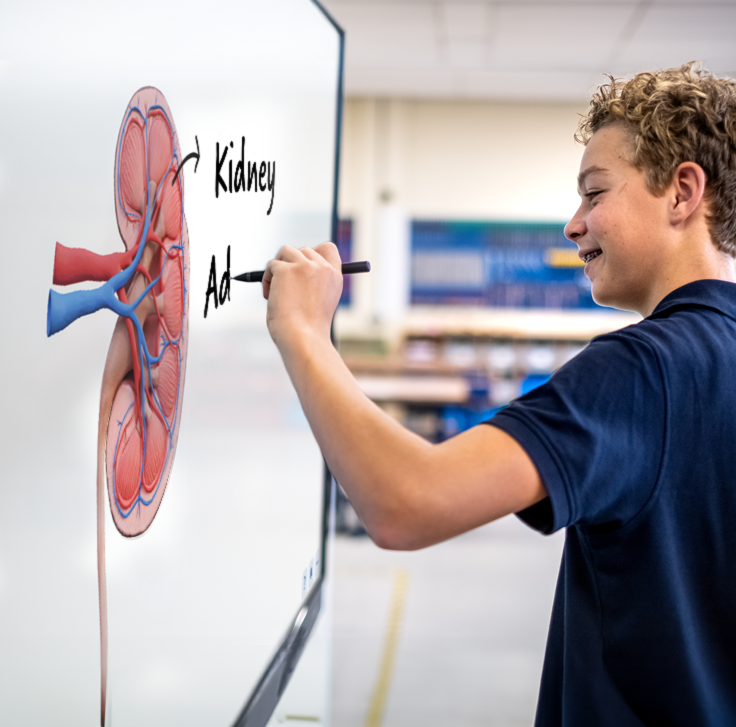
column 457, row 175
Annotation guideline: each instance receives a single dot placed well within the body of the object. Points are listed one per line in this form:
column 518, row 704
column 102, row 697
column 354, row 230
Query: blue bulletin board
column 502, row 264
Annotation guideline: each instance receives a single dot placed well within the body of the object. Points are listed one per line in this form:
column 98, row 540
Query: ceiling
column 522, row 49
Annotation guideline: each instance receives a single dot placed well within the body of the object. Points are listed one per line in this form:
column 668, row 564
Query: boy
column 630, row 446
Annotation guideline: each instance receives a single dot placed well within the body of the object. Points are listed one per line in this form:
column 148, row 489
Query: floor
column 451, row 636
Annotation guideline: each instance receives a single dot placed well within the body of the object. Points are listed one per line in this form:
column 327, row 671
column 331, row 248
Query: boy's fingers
column 266, row 280
column 309, row 253
column 288, row 254
column 268, row 275
column 328, row 250
column 321, row 254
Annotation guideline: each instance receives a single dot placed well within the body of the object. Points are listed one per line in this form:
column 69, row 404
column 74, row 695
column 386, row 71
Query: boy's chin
column 609, row 298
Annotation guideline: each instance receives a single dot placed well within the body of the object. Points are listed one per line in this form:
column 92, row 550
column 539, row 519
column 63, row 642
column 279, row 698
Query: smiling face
column 620, row 228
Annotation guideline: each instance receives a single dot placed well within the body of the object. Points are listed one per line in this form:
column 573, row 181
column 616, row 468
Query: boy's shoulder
column 715, row 295
column 684, row 320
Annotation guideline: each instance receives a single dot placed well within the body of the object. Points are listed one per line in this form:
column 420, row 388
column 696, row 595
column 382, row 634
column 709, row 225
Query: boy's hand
column 303, row 288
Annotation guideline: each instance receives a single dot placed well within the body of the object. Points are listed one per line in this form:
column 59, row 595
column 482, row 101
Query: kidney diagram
column 147, row 286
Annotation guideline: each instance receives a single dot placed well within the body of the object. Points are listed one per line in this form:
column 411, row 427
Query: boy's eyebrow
column 586, row 172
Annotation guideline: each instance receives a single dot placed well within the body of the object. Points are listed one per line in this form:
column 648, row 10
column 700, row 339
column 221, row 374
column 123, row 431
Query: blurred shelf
column 400, row 364
column 570, row 325
column 451, row 366
column 533, row 323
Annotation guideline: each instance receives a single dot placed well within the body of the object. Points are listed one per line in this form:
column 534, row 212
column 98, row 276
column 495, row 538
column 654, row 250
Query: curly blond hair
column 677, row 115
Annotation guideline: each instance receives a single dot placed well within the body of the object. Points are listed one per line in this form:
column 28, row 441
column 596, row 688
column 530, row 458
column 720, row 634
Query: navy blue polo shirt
column 635, row 441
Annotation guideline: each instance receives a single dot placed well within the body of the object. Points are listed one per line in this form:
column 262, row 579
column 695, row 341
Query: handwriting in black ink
column 224, row 293
column 247, row 178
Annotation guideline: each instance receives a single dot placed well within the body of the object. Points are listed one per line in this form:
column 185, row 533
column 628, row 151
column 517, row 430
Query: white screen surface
column 199, row 602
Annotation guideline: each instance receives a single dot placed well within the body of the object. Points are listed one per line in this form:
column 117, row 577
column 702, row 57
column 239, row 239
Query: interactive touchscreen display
column 164, row 499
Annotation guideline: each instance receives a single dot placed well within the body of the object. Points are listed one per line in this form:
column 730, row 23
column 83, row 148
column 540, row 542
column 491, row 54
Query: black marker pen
column 256, row 276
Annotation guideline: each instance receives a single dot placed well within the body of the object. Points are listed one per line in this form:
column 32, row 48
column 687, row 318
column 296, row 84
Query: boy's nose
column 575, row 228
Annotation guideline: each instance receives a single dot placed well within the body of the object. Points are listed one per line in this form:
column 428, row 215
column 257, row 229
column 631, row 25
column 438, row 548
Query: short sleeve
column 595, row 432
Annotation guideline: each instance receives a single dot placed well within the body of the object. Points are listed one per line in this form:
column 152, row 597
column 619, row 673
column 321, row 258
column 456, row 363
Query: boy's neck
column 691, row 257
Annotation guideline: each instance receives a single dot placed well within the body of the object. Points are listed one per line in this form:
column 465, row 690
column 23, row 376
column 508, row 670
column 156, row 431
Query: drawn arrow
column 193, row 155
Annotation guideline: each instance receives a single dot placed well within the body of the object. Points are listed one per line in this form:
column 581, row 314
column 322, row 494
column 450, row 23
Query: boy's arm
column 408, row 492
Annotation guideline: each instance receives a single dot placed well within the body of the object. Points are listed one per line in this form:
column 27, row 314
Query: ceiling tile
column 547, row 86
column 559, row 37
column 499, row 3
column 402, row 35
column 525, row 49
column 465, row 20
column 695, row 3
column 519, row 85
column 671, row 35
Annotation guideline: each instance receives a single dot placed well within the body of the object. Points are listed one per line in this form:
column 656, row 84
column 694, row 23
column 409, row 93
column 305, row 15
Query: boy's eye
column 593, row 194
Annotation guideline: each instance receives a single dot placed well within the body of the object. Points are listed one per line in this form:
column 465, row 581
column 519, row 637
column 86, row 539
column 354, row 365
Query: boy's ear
column 688, row 190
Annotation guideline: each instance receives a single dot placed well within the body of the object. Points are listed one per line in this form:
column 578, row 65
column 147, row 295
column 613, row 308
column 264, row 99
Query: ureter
column 119, row 362
column 105, row 407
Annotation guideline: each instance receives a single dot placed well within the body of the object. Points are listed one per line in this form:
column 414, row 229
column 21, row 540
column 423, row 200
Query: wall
column 447, row 160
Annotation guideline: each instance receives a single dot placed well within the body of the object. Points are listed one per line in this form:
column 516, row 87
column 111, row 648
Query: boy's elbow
column 393, row 532
column 387, row 539
column 403, row 519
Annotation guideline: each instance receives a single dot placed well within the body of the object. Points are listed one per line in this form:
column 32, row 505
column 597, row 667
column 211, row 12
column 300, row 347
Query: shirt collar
column 717, row 295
